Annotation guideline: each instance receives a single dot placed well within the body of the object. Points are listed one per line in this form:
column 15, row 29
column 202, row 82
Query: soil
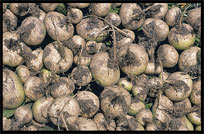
column 129, row 59
column 153, row 10
column 154, row 89
column 92, row 23
column 92, row 49
column 79, row 74
column 175, row 124
column 22, row 8
column 87, row 106
column 26, row 30
column 179, row 86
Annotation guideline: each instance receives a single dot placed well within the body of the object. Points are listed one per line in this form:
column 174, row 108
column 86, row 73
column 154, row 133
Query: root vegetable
column 64, row 111
column 32, row 128
column 75, row 15
column 115, row 101
column 135, row 108
column 57, row 26
column 156, row 29
column 9, row 21
column 155, row 86
column 181, row 37
column 144, row 116
column 198, row 128
column 113, row 18
column 6, row 123
column 103, row 69
column 168, row 55
column 133, row 59
column 48, row 7
column 78, row 5
column 123, row 82
column 13, row 93
column 23, row 115
column 92, row 47
column 86, row 124
column 178, row 86
column 188, row 123
column 122, row 41
column 20, row 9
column 32, row 31
column 92, row 29
column 13, row 49
column 88, row 102
column 23, row 73
column 53, row 60
column 40, row 109
column 194, row 18
column 178, row 124
column 152, row 68
column 100, row 120
column 151, row 127
column 61, row 86
column 5, row 5
column 100, row 9
column 34, row 88
column 139, row 92
column 172, row 16
column 188, row 58
column 34, row 60
column 157, row 10
column 82, row 60
column 131, row 16
column 195, row 96
column 195, row 117
column 81, row 75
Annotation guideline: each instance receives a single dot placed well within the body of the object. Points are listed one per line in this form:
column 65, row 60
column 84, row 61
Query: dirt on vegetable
column 152, row 11
column 79, row 74
column 92, row 23
column 178, row 85
column 87, row 106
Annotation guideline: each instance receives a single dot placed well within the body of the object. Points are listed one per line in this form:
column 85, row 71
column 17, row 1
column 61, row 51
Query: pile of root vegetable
column 101, row 66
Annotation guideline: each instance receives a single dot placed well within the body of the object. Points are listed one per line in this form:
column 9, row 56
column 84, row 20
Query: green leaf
column 62, row 9
column 139, row 29
column 114, row 10
column 8, row 112
column 148, row 106
column 108, row 43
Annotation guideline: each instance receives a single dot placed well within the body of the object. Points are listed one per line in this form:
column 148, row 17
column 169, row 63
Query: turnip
column 92, row 47
column 100, row 9
column 113, row 18
column 195, row 117
column 100, row 121
column 155, row 28
column 195, row 96
column 157, row 10
column 125, row 83
column 20, row 9
column 82, row 60
column 188, row 58
column 48, row 7
column 34, row 60
column 92, row 29
column 75, row 15
column 37, row 12
column 81, row 75
column 58, row 27
column 32, row 31
column 23, row 115
column 122, row 40
column 194, row 18
column 144, row 116
column 168, row 55
column 115, row 101
column 155, row 86
column 133, row 59
column 85, row 124
column 78, row 5
column 13, row 93
column 40, row 109
column 135, row 108
column 55, row 60
column 88, row 102
column 61, row 86
column 153, row 68
column 198, row 128
column 34, row 88
column 6, row 123
column 139, row 92
column 31, row 128
column 178, row 86
column 181, row 37
column 5, row 5
column 173, row 16
column 103, row 69
column 131, row 15
column 151, row 127
column 178, row 124
column 13, row 49
column 23, row 73
column 9, row 21
column 64, row 111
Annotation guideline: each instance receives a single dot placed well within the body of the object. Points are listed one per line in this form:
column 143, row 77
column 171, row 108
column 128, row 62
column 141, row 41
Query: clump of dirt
column 92, row 23
column 129, row 59
column 154, row 89
column 178, row 85
column 25, row 31
column 79, row 74
column 152, row 11
column 87, row 106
